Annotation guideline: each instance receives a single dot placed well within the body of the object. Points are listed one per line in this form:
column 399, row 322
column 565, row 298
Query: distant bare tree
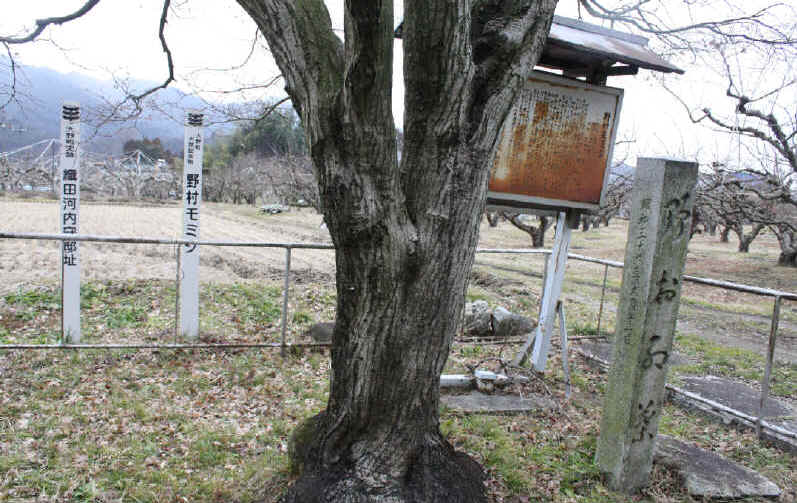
column 134, row 175
column 535, row 232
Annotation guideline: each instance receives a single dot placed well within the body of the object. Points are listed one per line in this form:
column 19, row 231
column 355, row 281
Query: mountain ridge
column 35, row 114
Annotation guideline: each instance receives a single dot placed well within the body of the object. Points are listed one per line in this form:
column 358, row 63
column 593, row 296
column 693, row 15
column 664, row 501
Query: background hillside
column 41, row 91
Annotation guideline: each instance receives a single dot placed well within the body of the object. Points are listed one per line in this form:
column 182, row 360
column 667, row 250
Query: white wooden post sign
column 69, row 220
column 192, row 197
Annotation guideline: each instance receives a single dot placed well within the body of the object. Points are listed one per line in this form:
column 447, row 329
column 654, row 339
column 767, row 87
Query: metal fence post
column 603, row 294
column 285, row 299
column 773, row 334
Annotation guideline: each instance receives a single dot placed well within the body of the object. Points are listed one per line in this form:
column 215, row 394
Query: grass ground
column 103, row 425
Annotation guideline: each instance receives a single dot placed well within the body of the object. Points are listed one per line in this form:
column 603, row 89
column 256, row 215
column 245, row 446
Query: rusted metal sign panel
column 556, row 145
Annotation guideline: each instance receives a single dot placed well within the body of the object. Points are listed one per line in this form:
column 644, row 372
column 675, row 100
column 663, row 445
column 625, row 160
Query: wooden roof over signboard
column 580, row 48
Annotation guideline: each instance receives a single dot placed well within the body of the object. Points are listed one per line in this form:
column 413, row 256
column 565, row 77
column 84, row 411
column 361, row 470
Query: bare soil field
column 35, row 262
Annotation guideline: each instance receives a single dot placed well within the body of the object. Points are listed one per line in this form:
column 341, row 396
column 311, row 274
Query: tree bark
column 725, row 234
column 403, row 234
column 788, row 258
column 787, row 238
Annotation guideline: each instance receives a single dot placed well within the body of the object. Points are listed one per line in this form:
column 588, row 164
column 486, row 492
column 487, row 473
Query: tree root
column 435, row 473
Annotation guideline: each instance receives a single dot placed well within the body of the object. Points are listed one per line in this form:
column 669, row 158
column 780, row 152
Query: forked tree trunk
column 405, row 236
column 711, row 227
column 535, row 232
column 745, row 240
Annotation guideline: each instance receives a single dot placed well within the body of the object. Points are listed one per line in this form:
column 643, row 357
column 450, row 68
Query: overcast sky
column 119, row 38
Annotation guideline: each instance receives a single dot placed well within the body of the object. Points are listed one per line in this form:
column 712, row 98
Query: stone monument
column 658, row 234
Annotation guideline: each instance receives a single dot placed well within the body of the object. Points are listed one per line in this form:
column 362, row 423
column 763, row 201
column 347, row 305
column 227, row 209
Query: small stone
column 321, row 332
column 508, row 324
column 477, row 319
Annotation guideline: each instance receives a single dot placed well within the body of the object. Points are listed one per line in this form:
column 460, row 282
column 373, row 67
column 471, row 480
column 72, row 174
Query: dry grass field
column 108, row 426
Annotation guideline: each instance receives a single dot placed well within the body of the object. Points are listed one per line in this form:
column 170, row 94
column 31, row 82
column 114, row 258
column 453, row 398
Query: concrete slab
column 709, row 475
column 604, row 351
column 786, row 441
column 480, row 403
column 736, row 395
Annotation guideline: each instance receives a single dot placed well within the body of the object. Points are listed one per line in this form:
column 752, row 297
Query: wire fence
column 778, row 296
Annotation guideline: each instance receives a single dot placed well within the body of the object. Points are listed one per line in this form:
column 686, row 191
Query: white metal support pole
column 560, row 308
column 550, row 295
column 552, row 288
column 69, row 222
column 192, row 199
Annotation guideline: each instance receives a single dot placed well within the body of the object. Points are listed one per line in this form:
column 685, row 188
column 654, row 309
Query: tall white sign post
column 192, row 197
column 69, row 220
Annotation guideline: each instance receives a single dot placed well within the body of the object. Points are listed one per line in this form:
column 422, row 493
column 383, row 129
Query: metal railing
column 778, row 295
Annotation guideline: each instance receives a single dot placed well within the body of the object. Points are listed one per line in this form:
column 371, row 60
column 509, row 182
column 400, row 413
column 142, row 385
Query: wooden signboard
column 555, row 147
column 193, row 148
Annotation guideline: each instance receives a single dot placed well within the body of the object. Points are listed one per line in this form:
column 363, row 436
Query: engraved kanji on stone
column 644, row 417
column 667, row 287
column 677, row 216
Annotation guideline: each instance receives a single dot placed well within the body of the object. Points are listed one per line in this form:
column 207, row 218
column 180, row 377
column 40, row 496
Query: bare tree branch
column 41, row 24
column 739, row 28
column 12, row 93
column 137, row 98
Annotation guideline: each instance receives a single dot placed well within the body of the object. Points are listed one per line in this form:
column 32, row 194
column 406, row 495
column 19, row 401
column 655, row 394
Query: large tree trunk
column 405, row 236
